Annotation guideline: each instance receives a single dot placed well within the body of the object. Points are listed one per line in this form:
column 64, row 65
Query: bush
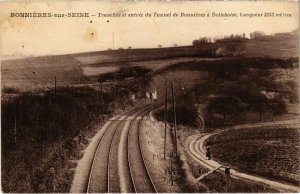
column 124, row 72
column 42, row 121
column 186, row 112
column 227, row 106
column 9, row 90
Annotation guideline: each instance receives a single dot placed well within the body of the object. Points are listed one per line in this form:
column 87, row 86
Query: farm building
column 221, row 52
column 269, row 93
column 151, row 95
column 132, row 96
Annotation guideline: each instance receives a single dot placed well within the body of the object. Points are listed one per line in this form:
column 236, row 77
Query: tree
column 248, row 91
column 257, row 34
column 259, row 103
column 239, row 70
column 204, row 40
column 196, row 42
column 186, row 112
column 277, row 106
column 227, row 106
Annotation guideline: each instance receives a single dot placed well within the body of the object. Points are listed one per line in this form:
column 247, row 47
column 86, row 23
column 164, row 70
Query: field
column 217, row 182
column 154, row 65
column 279, row 49
column 127, row 55
column 39, row 72
column 272, row 153
column 276, row 48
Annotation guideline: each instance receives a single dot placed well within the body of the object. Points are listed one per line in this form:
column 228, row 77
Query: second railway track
column 105, row 169
column 141, row 178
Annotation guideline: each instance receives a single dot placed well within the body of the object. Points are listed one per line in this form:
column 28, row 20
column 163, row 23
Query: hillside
column 39, row 72
column 275, row 49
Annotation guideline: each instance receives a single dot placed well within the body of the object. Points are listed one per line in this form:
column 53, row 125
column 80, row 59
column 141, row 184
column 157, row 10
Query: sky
column 21, row 37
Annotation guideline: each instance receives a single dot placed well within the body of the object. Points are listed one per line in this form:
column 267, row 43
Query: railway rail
column 196, row 148
column 141, row 179
column 103, row 173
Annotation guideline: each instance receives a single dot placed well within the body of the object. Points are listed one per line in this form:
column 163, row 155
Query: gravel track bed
column 126, row 184
column 152, row 143
column 140, row 177
column 114, row 181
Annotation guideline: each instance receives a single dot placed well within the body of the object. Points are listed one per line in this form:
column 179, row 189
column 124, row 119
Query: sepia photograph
column 150, row 96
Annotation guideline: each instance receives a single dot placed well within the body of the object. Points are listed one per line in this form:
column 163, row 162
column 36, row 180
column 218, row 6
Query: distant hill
column 40, row 71
column 124, row 55
column 275, row 48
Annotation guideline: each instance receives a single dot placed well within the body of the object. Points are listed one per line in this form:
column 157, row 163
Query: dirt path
column 197, row 152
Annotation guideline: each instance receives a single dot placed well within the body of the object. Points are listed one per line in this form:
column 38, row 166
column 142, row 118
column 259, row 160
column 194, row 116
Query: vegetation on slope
column 123, row 73
column 238, row 87
column 38, row 132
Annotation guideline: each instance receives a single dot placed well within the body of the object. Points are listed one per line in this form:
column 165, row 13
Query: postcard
column 149, row 96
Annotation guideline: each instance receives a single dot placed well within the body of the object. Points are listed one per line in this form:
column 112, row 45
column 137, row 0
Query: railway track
column 109, row 172
column 141, row 179
column 196, row 148
column 114, row 175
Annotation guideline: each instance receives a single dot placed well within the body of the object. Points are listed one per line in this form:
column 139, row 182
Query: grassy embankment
column 237, row 90
column 42, row 132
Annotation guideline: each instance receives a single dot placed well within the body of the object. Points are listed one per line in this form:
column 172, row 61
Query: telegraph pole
column 55, row 103
column 116, row 89
column 74, row 102
column 55, row 85
column 174, row 112
column 15, row 132
column 49, row 109
column 166, row 116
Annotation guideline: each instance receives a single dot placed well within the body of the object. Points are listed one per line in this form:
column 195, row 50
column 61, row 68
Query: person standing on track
column 208, row 154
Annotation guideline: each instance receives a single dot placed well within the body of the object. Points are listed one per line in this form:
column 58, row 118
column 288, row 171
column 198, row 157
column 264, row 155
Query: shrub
column 124, row 72
column 10, row 90
column 42, row 121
